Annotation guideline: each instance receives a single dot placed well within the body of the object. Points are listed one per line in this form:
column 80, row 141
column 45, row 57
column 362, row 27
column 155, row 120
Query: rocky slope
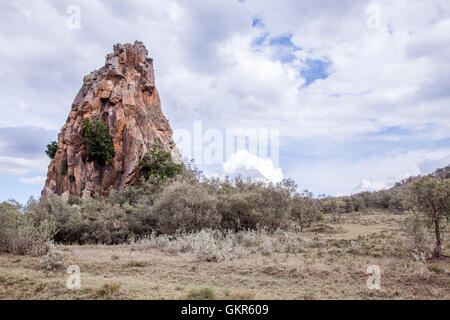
column 123, row 95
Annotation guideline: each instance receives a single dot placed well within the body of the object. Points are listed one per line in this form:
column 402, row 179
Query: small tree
column 358, row 203
column 304, row 209
column 156, row 163
column 52, row 147
column 431, row 197
column 98, row 141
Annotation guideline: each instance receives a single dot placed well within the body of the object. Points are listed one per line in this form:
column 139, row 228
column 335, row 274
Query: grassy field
column 331, row 264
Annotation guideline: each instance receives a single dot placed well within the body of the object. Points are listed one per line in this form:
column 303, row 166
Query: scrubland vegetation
column 185, row 236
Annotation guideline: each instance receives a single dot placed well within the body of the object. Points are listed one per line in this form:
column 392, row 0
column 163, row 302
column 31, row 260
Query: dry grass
column 332, row 265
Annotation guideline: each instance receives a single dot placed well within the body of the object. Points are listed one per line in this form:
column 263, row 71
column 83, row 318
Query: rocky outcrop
column 123, row 95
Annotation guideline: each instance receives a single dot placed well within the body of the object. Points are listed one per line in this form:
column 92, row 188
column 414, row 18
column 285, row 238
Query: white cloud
column 207, row 68
column 374, row 82
column 251, row 165
column 372, row 173
column 38, row 180
column 367, row 185
column 20, row 166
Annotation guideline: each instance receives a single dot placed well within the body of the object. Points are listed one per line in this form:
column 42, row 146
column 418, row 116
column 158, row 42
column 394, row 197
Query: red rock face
column 123, row 95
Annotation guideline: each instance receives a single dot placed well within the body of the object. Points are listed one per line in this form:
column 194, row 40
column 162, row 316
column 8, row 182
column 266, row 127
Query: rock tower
column 123, row 95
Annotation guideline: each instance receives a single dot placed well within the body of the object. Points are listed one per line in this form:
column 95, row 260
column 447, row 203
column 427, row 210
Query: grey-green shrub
column 18, row 234
column 245, row 204
column 305, row 209
column 53, row 259
column 185, row 205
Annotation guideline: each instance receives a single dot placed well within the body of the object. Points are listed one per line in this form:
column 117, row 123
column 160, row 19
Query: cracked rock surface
column 123, row 95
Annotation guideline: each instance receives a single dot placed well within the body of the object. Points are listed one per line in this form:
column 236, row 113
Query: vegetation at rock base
column 228, row 233
column 98, row 141
column 52, row 148
column 191, row 202
column 157, row 163
column 19, row 234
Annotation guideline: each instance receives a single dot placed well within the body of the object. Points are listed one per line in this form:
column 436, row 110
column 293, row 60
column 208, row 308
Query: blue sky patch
column 284, row 40
column 315, row 69
column 257, row 22
column 284, row 48
column 259, row 41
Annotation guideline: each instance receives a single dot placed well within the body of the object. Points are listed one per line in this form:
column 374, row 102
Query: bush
column 126, row 194
column 201, row 294
column 305, row 210
column 382, row 199
column 74, row 200
column 98, row 141
column 185, row 205
column 19, row 236
column 358, row 203
column 348, row 204
column 52, row 260
column 67, row 220
column 214, row 245
column 436, row 268
column 328, row 205
column 108, row 290
column 52, row 148
column 208, row 247
column 266, row 247
column 156, row 163
column 286, row 241
column 396, row 201
column 95, row 221
column 245, row 205
column 419, row 240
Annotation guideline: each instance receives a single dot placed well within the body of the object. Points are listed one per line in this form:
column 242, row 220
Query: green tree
column 52, row 147
column 431, row 197
column 157, row 163
column 304, row 209
column 98, row 141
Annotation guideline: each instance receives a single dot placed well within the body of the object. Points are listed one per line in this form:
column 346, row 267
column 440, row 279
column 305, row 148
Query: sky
column 358, row 90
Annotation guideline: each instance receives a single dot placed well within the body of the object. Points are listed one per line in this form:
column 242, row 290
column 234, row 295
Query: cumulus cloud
column 38, row 180
column 367, row 185
column 249, row 165
column 25, row 141
column 22, row 149
column 209, row 63
column 314, row 70
column 373, row 82
column 21, row 166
